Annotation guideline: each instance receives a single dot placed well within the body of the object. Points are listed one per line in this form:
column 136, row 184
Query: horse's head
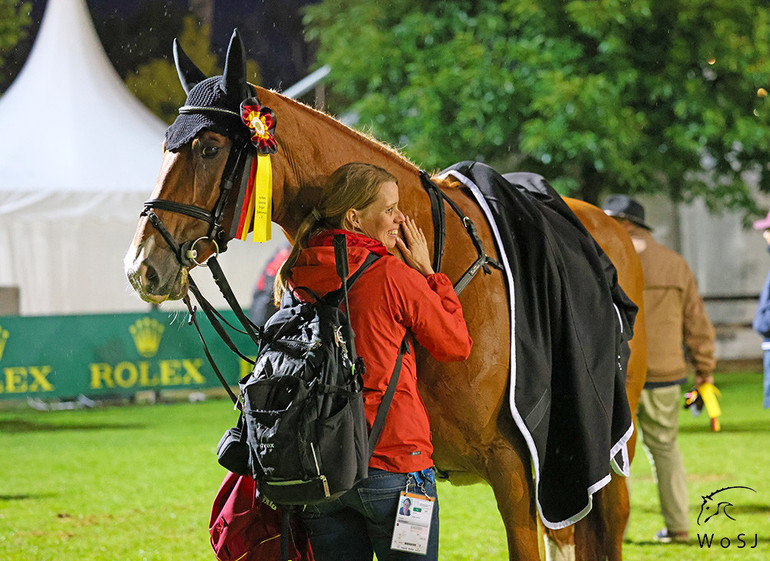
column 189, row 217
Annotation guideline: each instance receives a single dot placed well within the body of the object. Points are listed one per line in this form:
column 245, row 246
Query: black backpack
column 303, row 409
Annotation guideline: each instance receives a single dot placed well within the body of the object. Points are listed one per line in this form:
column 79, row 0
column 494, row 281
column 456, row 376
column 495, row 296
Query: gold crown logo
column 3, row 340
column 147, row 333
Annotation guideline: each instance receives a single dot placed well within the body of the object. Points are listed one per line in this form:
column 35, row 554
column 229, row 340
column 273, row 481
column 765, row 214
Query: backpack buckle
column 325, row 484
column 339, row 340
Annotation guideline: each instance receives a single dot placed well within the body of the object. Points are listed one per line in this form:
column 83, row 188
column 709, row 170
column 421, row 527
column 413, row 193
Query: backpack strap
column 285, row 529
column 341, row 258
column 290, row 296
column 382, row 411
column 335, row 297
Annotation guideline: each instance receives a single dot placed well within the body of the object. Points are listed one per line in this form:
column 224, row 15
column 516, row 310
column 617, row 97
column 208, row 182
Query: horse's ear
column 189, row 74
column 234, row 75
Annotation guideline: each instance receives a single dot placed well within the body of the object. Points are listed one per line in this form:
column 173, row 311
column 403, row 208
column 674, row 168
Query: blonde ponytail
column 313, row 224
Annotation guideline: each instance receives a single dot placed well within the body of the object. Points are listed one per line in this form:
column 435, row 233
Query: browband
column 201, row 109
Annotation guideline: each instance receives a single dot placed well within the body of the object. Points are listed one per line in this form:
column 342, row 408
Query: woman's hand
column 415, row 250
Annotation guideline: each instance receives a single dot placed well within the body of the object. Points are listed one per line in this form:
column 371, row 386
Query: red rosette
column 261, row 122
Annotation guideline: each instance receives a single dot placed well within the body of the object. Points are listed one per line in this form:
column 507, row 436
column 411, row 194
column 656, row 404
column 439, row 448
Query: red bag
column 245, row 528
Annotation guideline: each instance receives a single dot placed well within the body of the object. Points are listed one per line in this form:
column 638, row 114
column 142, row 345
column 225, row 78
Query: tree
column 14, row 20
column 596, row 95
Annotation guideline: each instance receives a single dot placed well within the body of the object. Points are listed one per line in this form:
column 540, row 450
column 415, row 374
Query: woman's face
column 382, row 219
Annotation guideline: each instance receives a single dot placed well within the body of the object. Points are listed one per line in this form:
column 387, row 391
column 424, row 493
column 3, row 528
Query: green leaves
column 598, row 96
column 14, row 20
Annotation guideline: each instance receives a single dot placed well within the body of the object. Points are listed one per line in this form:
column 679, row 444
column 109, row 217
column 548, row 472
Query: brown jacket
column 674, row 312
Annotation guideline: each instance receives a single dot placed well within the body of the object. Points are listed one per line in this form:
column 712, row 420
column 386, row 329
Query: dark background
column 133, row 32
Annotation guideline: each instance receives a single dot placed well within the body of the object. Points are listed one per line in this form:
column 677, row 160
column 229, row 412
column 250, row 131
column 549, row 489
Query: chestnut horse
column 473, row 430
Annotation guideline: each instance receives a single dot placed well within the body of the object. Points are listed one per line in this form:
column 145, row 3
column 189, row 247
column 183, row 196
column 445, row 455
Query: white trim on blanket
column 620, row 447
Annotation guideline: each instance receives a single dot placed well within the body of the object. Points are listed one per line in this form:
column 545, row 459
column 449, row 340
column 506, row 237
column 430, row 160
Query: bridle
column 186, row 252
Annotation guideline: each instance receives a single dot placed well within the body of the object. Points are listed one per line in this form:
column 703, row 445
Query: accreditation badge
column 413, row 519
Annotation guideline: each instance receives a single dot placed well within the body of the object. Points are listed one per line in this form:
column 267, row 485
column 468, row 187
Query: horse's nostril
column 151, row 277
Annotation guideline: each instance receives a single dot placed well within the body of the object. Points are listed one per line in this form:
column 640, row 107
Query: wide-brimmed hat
column 762, row 224
column 623, row 206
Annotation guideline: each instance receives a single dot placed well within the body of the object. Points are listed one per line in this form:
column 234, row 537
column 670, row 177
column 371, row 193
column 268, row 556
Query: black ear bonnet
column 212, row 103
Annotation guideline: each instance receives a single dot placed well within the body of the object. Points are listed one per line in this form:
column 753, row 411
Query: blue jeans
column 360, row 522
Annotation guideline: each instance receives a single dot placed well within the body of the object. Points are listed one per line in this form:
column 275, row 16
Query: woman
column 389, row 299
column 405, row 506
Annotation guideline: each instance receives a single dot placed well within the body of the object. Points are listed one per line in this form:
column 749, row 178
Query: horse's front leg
column 508, row 471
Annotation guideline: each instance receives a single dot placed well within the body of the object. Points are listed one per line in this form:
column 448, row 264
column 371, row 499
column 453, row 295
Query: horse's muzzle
column 155, row 274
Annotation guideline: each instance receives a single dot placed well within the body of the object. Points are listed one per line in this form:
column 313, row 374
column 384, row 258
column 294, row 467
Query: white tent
column 78, row 156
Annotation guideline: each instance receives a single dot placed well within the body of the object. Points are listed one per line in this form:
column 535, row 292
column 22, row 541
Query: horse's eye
column 209, row 151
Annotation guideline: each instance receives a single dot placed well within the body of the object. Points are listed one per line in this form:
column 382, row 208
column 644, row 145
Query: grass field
column 136, row 483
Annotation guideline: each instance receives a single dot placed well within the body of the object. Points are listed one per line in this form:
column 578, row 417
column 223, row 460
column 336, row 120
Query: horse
column 474, row 435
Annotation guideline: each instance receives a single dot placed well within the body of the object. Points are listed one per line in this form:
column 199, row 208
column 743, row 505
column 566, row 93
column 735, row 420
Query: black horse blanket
column 570, row 327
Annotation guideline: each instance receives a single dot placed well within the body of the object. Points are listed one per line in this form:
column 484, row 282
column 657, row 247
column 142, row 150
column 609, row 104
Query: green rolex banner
column 108, row 354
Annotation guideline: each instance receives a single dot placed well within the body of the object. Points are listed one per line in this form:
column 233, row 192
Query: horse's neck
column 321, row 144
column 311, row 146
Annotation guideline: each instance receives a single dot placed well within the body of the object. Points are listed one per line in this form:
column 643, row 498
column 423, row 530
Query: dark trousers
column 360, row 523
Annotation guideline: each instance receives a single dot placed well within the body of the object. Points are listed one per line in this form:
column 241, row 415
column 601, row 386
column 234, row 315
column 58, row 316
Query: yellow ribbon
column 261, row 201
column 263, row 196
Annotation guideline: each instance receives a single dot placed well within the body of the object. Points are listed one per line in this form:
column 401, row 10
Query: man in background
column 676, row 321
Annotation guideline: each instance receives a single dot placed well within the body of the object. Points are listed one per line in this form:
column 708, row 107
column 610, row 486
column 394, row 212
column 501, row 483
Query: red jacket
column 389, row 298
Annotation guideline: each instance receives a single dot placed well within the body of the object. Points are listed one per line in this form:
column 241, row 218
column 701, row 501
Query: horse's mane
column 359, row 136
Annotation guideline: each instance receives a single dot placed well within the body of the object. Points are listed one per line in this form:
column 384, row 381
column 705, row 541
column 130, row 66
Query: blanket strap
column 437, row 198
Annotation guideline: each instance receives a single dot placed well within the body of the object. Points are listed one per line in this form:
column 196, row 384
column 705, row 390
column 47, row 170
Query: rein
column 483, row 261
